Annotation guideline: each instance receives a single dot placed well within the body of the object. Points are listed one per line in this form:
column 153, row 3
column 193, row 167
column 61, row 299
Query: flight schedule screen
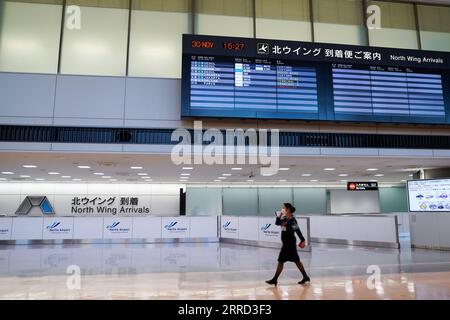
column 251, row 85
column 387, row 91
column 224, row 77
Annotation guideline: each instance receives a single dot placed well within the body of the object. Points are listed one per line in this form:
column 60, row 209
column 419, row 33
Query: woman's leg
column 302, row 269
column 278, row 271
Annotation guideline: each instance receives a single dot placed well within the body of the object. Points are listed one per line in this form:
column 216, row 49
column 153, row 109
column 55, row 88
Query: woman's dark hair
column 289, row 206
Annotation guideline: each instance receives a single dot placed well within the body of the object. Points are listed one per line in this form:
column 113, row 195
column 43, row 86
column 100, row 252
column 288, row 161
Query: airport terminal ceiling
column 158, row 168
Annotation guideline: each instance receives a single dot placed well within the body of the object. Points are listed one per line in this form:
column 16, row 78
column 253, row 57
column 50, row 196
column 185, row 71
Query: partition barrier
column 18, row 230
column 366, row 230
column 430, row 230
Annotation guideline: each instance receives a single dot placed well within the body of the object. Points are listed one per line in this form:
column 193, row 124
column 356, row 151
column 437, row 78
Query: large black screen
column 269, row 79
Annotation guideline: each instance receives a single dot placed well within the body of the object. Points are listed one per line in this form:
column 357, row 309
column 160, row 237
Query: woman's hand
column 302, row 244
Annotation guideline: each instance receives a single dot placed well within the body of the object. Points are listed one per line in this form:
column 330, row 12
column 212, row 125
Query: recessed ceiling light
column 66, row 177
column 343, row 175
column 98, row 173
column 372, row 169
column 373, row 180
column 136, row 168
column 379, row 175
column 227, row 174
column 39, row 179
column 236, row 168
column 313, row 180
column 188, row 168
column 3, row 179
column 344, row 180
column 222, row 178
column 410, row 175
column 7, row 172
column 284, row 169
column 329, row 169
column 112, row 180
column 106, row 177
column 217, row 180
column 306, row 175
column 29, row 166
column 76, row 179
column 53, row 173
column 84, row 167
column 402, row 180
column 250, row 180
column 266, row 174
column 142, row 174
column 145, row 177
column 283, row 180
column 185, row 174
column 24, row 176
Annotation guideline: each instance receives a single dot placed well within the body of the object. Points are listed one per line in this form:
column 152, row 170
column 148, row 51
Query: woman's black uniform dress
column 289, row 249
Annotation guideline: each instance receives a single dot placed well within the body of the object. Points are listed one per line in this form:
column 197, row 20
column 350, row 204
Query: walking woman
column 288, row 251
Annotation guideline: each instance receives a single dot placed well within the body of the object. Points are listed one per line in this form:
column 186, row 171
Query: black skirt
column 288, row 251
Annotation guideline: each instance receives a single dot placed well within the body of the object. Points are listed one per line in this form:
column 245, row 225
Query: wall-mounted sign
column 107, row 205
column 362, row 186
column 30, row 202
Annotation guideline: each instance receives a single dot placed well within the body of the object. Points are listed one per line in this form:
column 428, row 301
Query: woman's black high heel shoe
column 272, row 281
column 304, row 280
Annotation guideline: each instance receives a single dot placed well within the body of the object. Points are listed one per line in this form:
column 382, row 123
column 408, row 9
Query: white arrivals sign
column 175, row 227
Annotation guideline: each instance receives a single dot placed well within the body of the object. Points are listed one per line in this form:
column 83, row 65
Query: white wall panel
column 90, row 97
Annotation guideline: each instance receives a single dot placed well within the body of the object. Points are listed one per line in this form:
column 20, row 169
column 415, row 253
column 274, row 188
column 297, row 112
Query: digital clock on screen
column 234, row 46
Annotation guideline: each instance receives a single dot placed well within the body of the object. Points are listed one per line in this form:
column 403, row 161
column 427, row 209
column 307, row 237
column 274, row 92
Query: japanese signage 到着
column 108, row 205
column 274, row 79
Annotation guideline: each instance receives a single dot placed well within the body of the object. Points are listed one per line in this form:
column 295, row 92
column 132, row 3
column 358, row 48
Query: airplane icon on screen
column 262, row 48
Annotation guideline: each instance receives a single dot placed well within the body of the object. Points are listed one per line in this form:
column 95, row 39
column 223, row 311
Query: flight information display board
column 429, row 195
column 272, row 79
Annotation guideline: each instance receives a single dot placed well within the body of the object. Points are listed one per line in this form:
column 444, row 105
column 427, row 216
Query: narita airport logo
column 56, row 227
column 226, row 227
column 171, row 227
column 114, row 227
column 265, row 229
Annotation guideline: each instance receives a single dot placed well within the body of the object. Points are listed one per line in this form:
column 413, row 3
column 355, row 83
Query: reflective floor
column 218, row 271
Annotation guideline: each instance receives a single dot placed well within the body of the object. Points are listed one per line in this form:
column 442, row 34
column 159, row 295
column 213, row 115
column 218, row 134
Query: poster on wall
column 429, row 195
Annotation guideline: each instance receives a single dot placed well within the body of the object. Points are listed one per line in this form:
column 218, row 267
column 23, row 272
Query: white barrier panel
column 229, row 227
column 57, row 228
column 175, row 227
column 430, row 230
column 248, row 228
column 117, row 228
column 5, row 228
column 352, row 229
column 146, row 227
column 203, row 227
column 27, row 228
column 88, row 228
